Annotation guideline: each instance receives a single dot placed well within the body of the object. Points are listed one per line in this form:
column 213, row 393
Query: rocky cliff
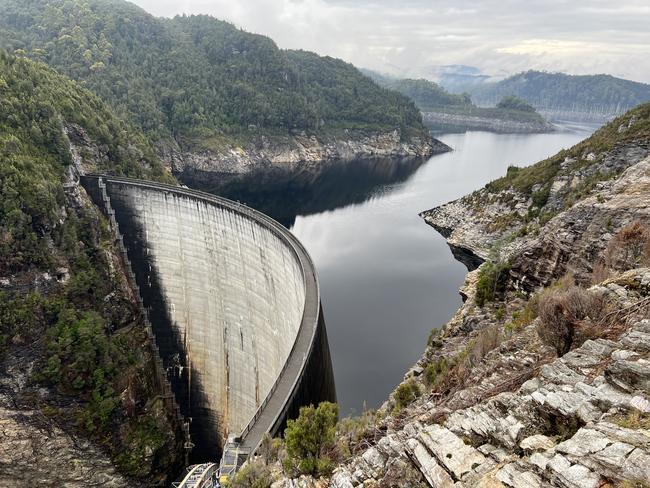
column 541, row 377
column 295, row 152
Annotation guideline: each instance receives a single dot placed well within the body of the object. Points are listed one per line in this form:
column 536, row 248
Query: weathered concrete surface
column 234, row 304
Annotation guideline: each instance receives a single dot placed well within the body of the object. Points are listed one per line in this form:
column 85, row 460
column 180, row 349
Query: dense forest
column 35, row 106
column 427, row 95
column 191, row 77
column 603, row 94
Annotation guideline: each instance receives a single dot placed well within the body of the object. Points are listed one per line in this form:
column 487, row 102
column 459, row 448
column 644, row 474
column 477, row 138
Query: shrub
column 309, row 437
column 513, row 102
column 629, row 248
column 485, row 341
column 524, row 317
column 436, row 371
column 633, row 419
column 434, row 339
column 492, row 281
column 253, row 475
column 353, row 431
column 569, row 317
column 270, row 449
column 540, row 198
column 406, row 394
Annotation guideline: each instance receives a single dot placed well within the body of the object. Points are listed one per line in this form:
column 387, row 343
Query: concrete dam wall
column 234, row 305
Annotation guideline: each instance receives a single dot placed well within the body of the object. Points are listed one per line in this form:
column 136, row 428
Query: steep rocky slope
column 541, row 377
column 80, row 404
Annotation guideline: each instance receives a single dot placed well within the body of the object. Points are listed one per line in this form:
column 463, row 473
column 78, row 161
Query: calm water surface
column 386, row 277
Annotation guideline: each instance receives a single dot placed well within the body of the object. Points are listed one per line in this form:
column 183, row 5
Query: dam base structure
column 234, row 307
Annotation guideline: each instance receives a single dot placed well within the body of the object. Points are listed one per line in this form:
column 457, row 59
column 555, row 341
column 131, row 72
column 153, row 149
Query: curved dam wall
column 234, row 304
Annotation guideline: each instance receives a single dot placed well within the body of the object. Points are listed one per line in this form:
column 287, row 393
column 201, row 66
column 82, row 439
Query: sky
column 415, row 37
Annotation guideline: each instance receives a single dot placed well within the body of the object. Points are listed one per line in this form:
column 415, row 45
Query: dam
column 233, row 301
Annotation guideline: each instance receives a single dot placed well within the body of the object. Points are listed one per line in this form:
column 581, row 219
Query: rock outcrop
column 35, row 449
column 298, row 151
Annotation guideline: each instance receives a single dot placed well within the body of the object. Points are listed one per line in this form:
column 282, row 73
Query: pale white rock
column 540, row 459
column 637, row 466
column 341, row 479
column 375, row 461
column 585, row 441
column 579, row 476
column 624, row 355
column 530, row 386
column 516, row 477
column 435, row 474
column 640, row 403
column 451, row 451
column 559, row 372
column 537, row 442
column 390, row 446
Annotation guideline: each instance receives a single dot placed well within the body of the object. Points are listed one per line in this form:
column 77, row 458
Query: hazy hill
column 456, row 111
column 602, row 95
column 193, row 77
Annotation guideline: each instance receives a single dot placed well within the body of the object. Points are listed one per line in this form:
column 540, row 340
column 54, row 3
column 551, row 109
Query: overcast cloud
column 412, row 37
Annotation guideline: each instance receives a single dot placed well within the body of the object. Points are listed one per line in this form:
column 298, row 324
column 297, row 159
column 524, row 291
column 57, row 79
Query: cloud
column 411, row 37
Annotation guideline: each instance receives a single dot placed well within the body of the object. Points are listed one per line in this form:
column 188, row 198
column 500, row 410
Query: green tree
column 512, row 102
column 309, row 438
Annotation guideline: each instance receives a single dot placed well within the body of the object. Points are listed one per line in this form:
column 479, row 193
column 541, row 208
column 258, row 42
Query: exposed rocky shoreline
column 297, row 151
column 489, row 124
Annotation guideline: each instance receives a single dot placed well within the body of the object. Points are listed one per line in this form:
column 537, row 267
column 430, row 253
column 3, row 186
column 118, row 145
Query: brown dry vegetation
column 569, row 317
column 628, row 249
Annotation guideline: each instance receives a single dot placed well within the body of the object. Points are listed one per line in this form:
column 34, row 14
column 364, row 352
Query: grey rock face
column 300, row 150
column 34, row 450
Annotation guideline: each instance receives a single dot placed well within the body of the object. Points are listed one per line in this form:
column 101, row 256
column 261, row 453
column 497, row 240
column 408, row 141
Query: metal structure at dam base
column 232, row 305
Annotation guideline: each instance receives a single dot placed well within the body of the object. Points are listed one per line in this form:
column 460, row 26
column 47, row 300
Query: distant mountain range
column 558, row 94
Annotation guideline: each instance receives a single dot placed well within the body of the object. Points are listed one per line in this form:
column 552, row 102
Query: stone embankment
column 475, row 122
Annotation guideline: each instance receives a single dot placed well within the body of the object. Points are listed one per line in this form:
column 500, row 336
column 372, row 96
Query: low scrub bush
column 628, row 249
column 436, row 371
column 406, row 394
column 524, row 317
column 569, row 317
column 355, row 433
column 253, row 475
column 492, row 282
column 271, row 450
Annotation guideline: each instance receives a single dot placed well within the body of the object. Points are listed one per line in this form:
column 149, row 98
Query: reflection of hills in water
column 284, row 194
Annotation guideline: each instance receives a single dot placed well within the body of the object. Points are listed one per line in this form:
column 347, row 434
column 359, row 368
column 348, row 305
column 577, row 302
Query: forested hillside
column 428, row 95
column 557, row 91
column 191, row 77
column 68, row 325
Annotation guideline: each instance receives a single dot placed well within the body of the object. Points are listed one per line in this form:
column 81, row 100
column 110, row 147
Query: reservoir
column 386, row 277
